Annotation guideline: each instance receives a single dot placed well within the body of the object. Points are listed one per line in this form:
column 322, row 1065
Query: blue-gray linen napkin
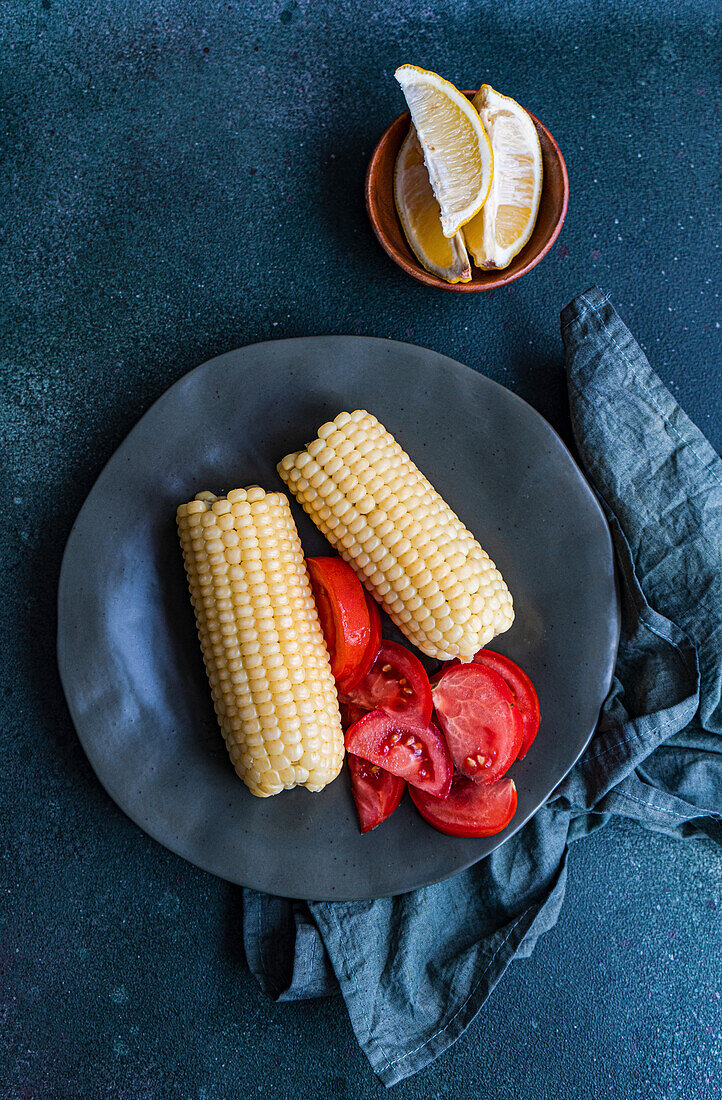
column 415, row 970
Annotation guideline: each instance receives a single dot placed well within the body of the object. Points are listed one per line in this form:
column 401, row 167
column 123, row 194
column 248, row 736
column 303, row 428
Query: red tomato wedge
column 523, row 690
column 350, row 713
column 376, row 792
column 341, row 602
column 482, row 725
column 404, row 746
column 372, row 649
column 397, row 682
column 469, row 810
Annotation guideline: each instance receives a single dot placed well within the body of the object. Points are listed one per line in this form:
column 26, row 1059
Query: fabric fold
column 415, row 970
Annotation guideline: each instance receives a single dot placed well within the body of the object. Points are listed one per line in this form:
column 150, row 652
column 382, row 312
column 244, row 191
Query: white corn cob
column 411, row 551
column 262, row 643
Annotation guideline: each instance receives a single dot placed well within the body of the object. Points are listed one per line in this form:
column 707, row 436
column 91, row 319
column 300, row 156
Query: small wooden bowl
column 387, row 227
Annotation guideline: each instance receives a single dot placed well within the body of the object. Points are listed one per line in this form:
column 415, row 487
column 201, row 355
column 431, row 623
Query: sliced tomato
column 372, row 648
column 341, row 601
column 350, row 713
column 469, row 810
column 523, row 690
column 376, row 792
column 396, row 681
column 404, row 746
column 481, row 723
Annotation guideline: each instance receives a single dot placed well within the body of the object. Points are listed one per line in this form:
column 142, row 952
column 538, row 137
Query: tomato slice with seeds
column 372, row 648
column 376, row 792
column 523, row 690
column 341, row 602
column 481, row 723
column 404, row 746
column 469, row 810
column 397, row 682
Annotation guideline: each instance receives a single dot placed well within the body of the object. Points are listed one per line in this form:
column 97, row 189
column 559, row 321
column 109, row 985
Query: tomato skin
column 483, row 728
column 372, row 648
column 376, row 792
column 470, row 809
column 404, row 746
column 386, row 689
column 522, row 689
column 342, row 609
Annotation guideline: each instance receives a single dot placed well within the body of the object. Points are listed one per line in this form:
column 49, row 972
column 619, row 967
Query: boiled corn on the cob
column 411, row 551
column 261, row 638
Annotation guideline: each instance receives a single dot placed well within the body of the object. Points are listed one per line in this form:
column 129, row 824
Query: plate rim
column 490, row 844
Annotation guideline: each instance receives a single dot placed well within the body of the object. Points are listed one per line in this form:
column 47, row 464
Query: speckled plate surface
column 129, row 657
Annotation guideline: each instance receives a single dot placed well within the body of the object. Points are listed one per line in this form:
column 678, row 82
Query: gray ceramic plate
column 127, row 650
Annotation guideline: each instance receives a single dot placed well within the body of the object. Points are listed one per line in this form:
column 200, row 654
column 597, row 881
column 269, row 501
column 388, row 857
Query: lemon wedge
column 420, row 217
column 503, row 227
column 456, row 149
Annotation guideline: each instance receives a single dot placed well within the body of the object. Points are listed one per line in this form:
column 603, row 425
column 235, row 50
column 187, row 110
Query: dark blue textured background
column 183, row 178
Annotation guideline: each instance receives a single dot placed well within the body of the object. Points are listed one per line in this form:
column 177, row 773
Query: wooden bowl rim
column 413, row 267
